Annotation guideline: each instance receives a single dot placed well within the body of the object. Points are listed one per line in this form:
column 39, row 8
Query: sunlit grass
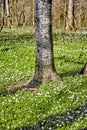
column 29, row 108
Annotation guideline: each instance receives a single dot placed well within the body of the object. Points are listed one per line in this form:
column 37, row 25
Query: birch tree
column 7, row 12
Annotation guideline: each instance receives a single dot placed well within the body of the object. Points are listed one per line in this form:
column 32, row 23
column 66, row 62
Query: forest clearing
column 43, row 65
column 40, row 108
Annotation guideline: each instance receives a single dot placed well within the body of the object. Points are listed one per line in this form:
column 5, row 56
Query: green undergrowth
column 38, row 109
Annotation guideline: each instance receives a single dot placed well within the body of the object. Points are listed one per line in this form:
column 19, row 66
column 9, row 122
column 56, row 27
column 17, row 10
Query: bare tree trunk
column 80, row 14
column 70, row 19
column 65, row 13
column 2, row 17
column 33, row 13
column 7, row 13
column 44, row 68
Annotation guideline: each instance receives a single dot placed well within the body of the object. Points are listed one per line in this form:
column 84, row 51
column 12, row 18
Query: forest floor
column 52, row 106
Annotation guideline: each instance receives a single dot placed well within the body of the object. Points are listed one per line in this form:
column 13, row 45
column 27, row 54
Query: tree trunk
column 2, row 13
column 70, row 19
column 44, row 68
column 65, row 13
column 80, row 15
column 7, row 13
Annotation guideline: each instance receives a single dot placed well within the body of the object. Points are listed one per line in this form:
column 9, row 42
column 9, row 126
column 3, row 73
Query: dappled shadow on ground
column 73, row 73
column 24, row 86
column 31, row 85
column 67, row 60
column 57, row 121
column 83, row 129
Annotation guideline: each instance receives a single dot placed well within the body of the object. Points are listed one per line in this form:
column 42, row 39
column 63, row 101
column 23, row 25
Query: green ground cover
column 57, row 105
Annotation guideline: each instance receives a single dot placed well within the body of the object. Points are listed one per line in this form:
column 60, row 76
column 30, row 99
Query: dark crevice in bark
column 32, row 84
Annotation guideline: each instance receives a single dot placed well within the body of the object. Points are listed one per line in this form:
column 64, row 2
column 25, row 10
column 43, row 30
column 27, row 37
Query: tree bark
column 80, row 15
column 70, row 19
column 2, row 16
column 7, row 13
column 65, row 13
column 44, row 68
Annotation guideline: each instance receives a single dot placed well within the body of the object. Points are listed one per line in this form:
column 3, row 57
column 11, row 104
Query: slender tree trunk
column 2, row 16
column 70, row 19
column 65, row 13
column 7, row 7
column 44, row 69
column 7, row 13
column 80, row 14
column 33, row 13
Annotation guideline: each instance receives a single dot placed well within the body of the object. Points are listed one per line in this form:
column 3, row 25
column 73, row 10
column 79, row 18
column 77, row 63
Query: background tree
column 21, row 13
column 7, row 13
column 65, row 13
column 2, row 13
column 70, row 18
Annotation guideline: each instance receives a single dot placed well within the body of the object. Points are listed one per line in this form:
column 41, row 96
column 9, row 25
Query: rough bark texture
column 70, row 19
column 44, row 70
